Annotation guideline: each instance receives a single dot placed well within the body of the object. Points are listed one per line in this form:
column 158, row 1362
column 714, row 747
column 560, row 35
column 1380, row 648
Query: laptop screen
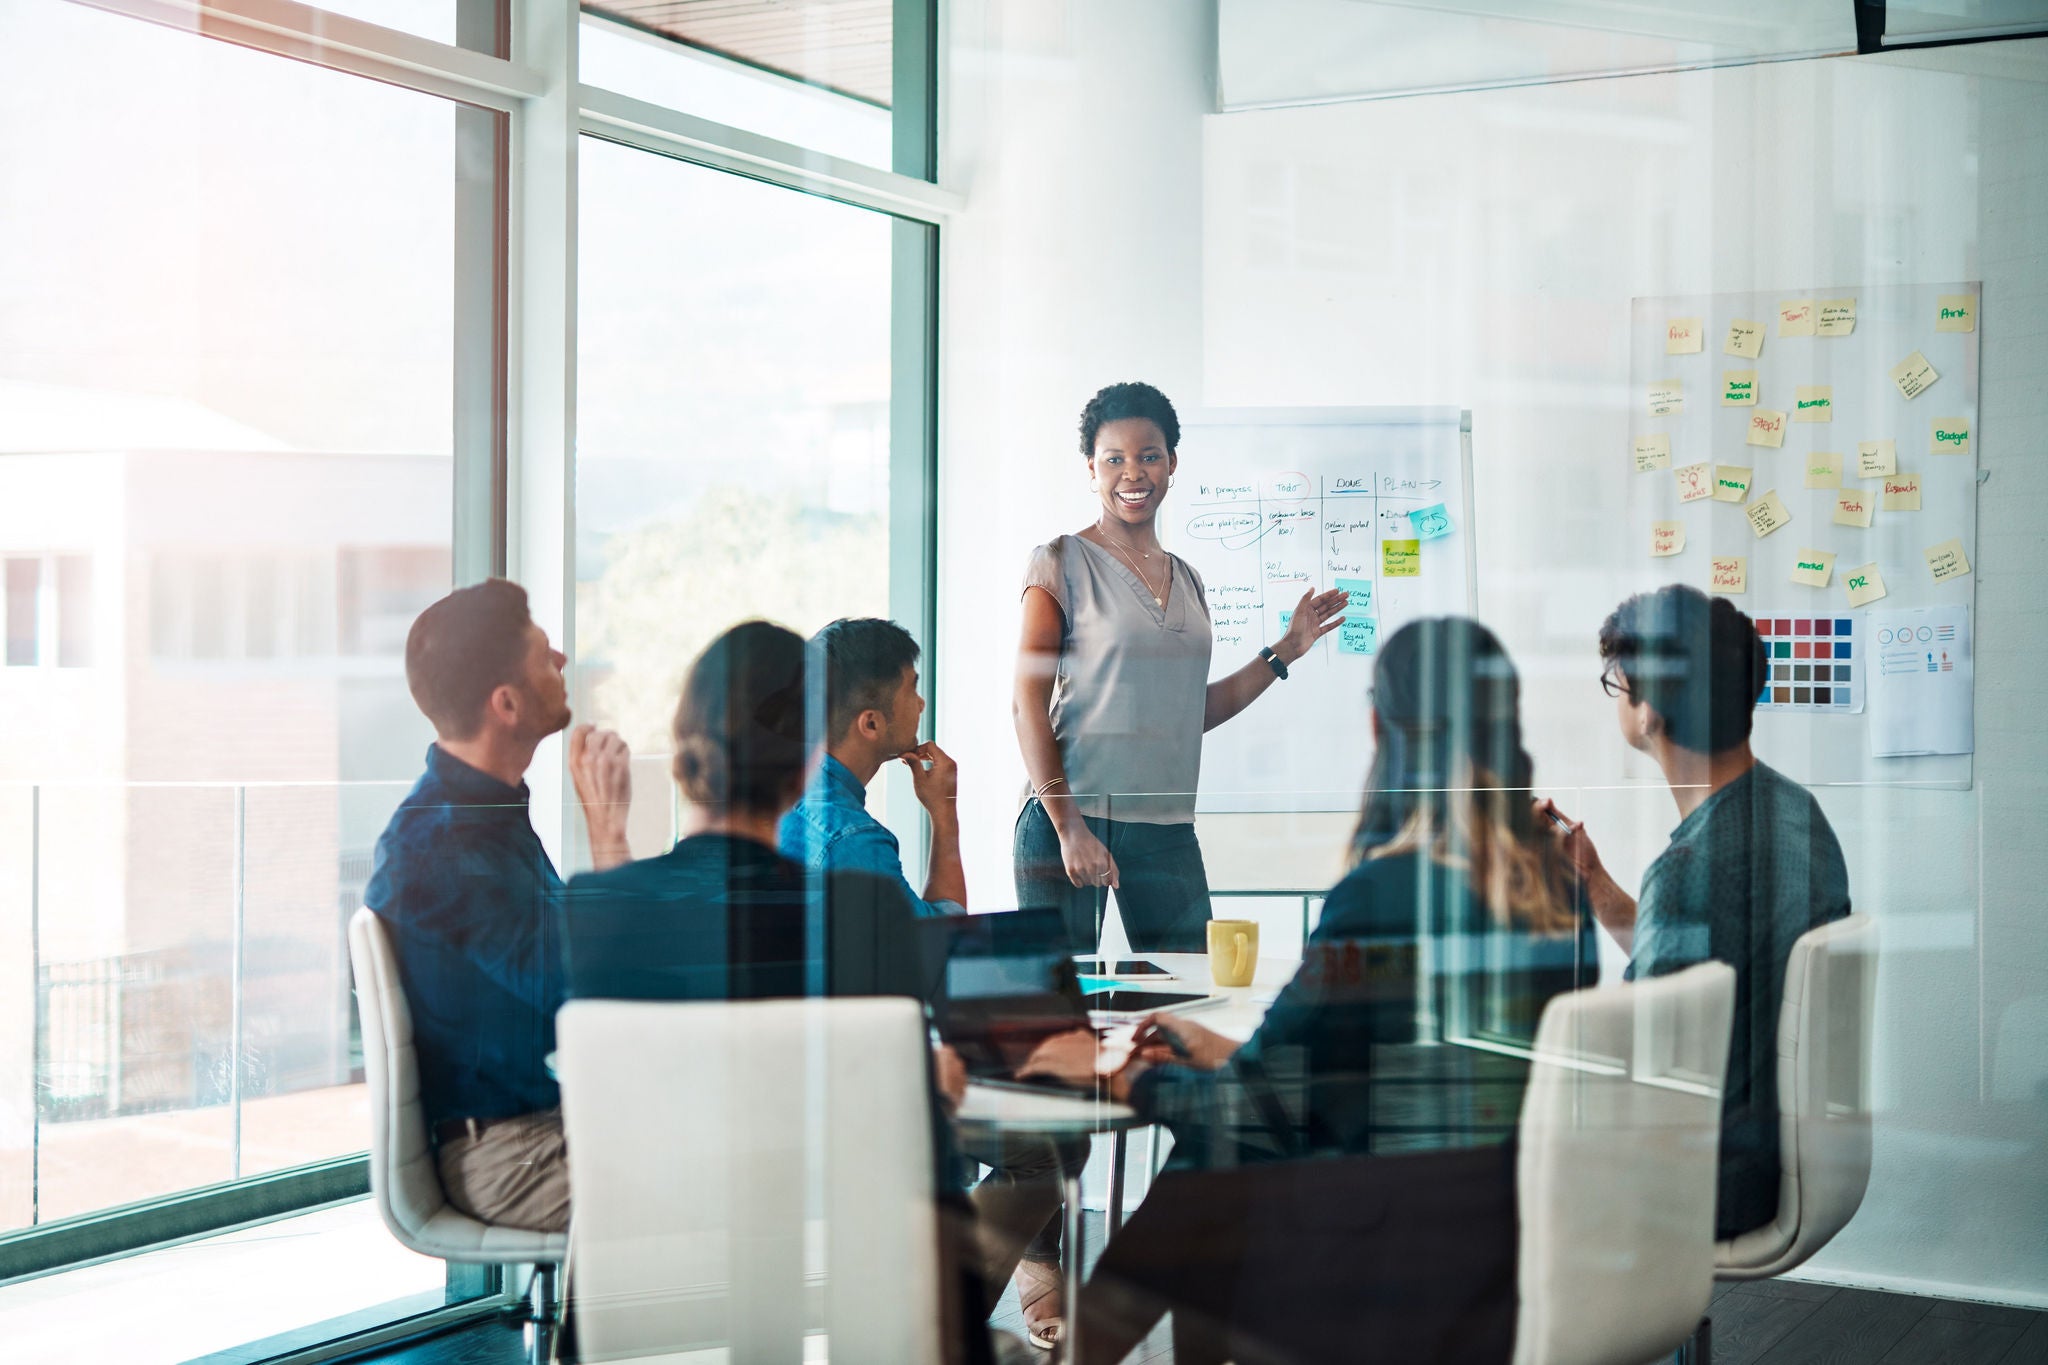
column 1008, row 982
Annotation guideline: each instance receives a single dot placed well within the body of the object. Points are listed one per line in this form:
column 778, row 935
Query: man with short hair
column 1752, row 865
column 473, row 903
column 872, row 709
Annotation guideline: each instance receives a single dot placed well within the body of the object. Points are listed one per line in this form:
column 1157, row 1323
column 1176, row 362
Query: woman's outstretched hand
column 1315, row 615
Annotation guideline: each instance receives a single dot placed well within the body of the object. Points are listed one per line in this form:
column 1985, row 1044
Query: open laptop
column 1007, row 983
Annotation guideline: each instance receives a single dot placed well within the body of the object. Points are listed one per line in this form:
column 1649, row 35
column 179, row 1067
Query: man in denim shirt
column 473, row 904
column 1752, row 865
column 871, row 713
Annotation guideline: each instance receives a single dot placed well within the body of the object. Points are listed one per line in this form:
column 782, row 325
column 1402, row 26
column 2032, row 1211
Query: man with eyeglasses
column 1752, row 865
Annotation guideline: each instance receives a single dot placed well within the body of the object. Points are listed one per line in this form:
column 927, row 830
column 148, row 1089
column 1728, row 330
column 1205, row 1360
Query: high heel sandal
column 1038, row 1294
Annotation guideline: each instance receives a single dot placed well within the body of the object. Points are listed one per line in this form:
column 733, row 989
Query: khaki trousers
column 513, row 1173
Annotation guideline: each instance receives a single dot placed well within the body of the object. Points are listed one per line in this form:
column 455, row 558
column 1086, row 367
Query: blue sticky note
column 1360, row 589
column 1360, row 633
column 1430, row 522
column 1285, row 618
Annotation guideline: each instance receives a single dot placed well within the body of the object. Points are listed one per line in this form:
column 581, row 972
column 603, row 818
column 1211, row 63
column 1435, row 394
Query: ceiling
column 843, row 45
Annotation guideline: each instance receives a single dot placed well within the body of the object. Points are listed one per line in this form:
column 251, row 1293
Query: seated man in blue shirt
column 472, row 901
column 871, row 714
column 1752, row 865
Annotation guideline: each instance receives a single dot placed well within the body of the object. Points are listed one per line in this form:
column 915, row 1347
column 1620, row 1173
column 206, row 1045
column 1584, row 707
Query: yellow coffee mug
column 1233, row 951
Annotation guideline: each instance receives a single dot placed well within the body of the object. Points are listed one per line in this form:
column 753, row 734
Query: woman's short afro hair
column 1119, row 401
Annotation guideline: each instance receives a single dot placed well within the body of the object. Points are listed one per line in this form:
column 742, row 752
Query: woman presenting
column 1113, row 697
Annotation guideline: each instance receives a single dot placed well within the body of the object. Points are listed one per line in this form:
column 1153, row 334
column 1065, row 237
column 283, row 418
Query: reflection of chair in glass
column 1823, row 1103
column 746, row 1173
column 403, row 1176
column 1415, row 1256
column 1619, row 1142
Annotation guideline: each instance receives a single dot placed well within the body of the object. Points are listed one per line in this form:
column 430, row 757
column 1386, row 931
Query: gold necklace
column 1157, row 599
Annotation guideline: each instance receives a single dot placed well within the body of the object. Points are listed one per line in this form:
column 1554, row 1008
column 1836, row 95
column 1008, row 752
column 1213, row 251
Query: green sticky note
column 1431, row 522
column 1400, row 559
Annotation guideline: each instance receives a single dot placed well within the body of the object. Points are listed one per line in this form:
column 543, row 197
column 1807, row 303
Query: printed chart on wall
column 1271, row 503
column 1812, row 454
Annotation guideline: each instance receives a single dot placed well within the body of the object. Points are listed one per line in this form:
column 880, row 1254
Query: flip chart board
column 1269, row 503
column 1863, row 499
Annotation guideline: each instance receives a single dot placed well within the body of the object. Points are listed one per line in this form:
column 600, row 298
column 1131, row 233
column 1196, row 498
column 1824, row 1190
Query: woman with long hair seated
column 1402, row 1042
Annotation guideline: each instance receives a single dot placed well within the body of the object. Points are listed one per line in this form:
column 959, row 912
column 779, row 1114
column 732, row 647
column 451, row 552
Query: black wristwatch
column 1273, row 661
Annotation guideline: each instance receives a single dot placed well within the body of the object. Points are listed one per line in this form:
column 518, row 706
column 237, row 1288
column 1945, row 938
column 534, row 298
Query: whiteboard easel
column 1272, row 501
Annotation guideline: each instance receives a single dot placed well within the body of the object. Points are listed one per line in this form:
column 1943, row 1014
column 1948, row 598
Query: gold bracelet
column 1040, row 791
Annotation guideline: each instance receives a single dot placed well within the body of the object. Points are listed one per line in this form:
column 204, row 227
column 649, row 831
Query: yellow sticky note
column 1813, row 567
column 1728, row 574
column 1813, row 403
column 1731, row 482
column 1652, row 452
column 1400, row 559
column 1745, row 338
column 1914, row 375
column 1863, row 585
column 1766, row 428
column 1949, row 436
column 1947, row 560
column 1666, row 538
column 1738, row 388
column 1955, row 313
column 1902, row 492
column 1795, row 318
column 1666, row 397
column 1824, row 469
column 1837, row 318
column 1767, row 514
column 1684, row 336
column 1853, row 508
column 1875, row 459
column 1695, row 481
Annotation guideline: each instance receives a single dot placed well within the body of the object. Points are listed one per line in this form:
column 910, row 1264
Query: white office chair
column 748, row 1172
column 1619, row 1142
column 1823, row 1106
column 403, row 1176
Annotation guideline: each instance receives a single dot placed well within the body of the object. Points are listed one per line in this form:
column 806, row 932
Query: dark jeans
column 1162, row 891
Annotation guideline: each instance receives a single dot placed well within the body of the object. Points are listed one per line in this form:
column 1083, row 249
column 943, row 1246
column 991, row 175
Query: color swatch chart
column 1813, row 663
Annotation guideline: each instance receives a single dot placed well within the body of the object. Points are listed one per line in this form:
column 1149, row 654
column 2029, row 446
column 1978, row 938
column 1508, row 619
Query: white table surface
column 1241, row 1007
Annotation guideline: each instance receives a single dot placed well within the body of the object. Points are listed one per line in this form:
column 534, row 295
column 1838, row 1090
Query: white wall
column 1075, row 131
column 1481, row 250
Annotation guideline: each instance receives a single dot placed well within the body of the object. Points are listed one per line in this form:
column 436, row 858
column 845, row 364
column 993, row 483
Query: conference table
column 1009, row 1111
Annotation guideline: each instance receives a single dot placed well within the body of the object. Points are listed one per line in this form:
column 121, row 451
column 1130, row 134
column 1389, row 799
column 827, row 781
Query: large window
column 733, row 421
column 227, row 421
column 285, row 351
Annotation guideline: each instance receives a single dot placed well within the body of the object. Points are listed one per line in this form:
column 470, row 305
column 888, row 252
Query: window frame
column 521, row 118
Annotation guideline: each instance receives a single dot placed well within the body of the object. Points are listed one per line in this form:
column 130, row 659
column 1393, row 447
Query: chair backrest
column 1619, row 1143
column 746, row 1172
column 1823, row 1099
column 403, row 1178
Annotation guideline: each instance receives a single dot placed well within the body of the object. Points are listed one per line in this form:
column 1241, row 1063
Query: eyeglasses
column 1612, row 682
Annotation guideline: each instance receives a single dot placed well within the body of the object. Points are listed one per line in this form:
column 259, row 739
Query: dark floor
column 1770, row 1322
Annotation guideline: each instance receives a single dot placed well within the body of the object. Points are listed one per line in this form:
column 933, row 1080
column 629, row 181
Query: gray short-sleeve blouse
column 1133, row 682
